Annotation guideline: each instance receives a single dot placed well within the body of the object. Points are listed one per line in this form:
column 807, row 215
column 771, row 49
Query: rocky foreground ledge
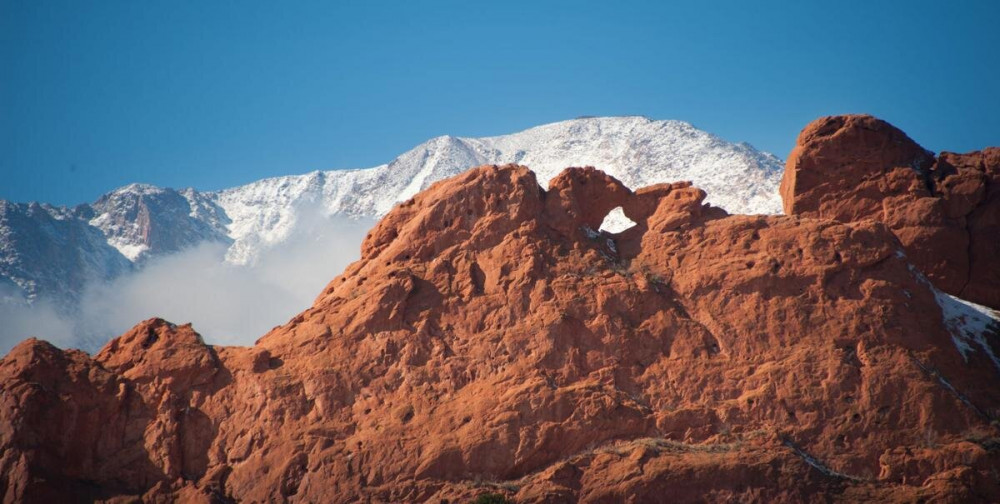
column 491, row 341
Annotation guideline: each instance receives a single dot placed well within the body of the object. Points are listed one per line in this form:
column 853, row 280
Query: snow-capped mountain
column 636, row 150
column 141, row 220
column 52, row 251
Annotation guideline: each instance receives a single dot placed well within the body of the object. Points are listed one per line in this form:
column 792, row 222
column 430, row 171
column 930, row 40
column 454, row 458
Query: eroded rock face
column 945, row 210
column 126, row 422
column 489, row 340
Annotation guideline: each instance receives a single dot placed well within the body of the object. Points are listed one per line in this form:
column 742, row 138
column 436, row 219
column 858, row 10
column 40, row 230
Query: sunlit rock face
column 491, row 339
column 944, row 209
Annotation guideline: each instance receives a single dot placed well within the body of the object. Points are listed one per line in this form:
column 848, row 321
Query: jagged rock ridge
column 490, row 340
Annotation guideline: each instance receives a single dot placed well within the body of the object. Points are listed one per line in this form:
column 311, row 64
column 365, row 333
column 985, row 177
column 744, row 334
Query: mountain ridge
column 142, row 221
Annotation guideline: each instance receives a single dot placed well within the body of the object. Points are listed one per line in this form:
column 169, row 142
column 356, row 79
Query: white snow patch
column 969, row 324
column 130, row 250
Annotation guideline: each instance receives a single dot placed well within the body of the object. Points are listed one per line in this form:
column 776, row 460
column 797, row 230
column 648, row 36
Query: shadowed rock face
column 489, row 340
column 944, row 210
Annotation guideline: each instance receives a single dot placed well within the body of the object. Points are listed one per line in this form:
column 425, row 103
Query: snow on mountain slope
column 142, row 220
column 636, row 150
column 53, row 251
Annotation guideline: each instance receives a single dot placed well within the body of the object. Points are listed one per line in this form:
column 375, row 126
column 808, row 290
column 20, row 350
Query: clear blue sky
column 211, row 94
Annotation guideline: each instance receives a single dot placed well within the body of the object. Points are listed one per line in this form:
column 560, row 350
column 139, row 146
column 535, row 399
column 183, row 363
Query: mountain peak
column 138, row 222
column 637, row 150
column 137, row 189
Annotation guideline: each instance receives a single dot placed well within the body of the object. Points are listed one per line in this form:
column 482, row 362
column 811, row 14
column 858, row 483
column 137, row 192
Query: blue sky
column 211, row 94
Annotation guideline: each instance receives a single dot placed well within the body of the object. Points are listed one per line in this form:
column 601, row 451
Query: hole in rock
column 407, row 414
column 616, row 221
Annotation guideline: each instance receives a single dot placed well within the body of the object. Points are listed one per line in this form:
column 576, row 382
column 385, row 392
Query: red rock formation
column 945, row 211
column 489, row 341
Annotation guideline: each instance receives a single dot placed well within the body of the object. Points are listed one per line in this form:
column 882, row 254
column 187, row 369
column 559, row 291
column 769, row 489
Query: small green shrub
column 492, row 498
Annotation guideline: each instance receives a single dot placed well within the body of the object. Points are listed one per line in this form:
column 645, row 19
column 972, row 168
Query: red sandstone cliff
column 945, row 209
column 490, row 341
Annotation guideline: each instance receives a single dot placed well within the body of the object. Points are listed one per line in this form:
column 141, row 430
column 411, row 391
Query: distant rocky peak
column 141, row 220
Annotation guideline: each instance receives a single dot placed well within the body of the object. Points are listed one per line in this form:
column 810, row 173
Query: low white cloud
column 20, row 320
column 228, row 304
